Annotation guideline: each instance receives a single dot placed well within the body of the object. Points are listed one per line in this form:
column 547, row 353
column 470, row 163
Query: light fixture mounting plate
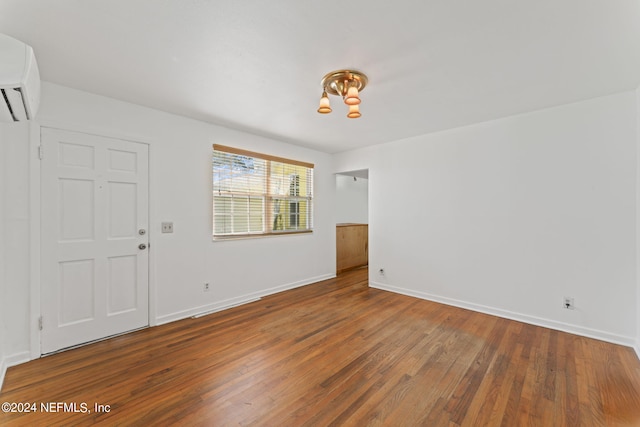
column 336, row 82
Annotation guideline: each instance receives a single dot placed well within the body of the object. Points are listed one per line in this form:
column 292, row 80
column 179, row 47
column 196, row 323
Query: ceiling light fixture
column 345, row 83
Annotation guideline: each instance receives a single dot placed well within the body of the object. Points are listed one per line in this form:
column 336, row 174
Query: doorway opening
column 352, row 220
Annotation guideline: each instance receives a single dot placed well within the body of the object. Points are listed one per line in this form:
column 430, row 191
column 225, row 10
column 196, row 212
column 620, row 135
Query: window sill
column 259, row 236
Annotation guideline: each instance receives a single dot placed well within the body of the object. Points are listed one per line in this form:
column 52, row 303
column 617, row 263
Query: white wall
column 180, row 186
column 15, row 238
column 510, row 216
column 352, row 200
column 3, row 299
column 637, row 347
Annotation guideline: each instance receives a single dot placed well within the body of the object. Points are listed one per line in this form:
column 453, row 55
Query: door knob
column 142, row 246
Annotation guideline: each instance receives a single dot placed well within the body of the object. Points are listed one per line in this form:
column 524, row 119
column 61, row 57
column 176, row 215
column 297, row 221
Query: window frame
column 269, row 217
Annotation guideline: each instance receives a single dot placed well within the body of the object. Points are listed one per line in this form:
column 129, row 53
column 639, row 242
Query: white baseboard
column 637, row 349
column 9, row 361
column 233, row 302
column 533, row 320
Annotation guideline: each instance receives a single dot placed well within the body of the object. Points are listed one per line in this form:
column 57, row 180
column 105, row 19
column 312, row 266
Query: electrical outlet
column 167, row 227
column 568, row 303
column 206, row 287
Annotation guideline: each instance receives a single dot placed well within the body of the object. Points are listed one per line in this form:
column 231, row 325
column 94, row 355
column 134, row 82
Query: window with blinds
column 257, row 194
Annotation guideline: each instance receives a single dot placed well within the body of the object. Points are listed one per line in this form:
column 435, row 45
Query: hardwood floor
column 335, row 353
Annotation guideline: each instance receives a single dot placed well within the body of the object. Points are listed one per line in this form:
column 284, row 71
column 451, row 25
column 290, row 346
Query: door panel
column 76, row 209
column 122, row 284
column 76, row 291
column 123, row 218
column 94, row 201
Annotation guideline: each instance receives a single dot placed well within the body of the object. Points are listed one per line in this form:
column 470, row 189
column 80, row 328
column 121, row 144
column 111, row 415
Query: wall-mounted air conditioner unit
column 19, row 81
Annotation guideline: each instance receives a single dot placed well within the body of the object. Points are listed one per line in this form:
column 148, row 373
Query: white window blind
column 257, row 194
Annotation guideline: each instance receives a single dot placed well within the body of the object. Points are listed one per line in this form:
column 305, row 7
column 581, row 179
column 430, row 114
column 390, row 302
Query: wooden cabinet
column 352, row 246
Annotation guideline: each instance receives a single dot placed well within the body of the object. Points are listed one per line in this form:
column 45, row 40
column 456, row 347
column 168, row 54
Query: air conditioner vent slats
column 14, row 108
column 6, row 115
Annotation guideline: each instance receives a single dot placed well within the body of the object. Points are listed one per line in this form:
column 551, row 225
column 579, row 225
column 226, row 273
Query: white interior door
column 95, row 212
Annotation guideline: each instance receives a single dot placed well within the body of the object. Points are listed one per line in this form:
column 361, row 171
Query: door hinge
column 40, row 323
column 40, row 152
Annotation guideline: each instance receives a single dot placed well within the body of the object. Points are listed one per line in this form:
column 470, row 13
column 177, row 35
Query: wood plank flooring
column 331, row 354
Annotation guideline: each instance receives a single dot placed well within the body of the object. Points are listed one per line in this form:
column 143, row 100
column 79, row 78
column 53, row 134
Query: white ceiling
column 256, row 65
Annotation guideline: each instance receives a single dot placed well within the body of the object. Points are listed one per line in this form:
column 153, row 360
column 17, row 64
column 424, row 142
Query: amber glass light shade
column 352, row 96
column 325, row 107
column 354, row 111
